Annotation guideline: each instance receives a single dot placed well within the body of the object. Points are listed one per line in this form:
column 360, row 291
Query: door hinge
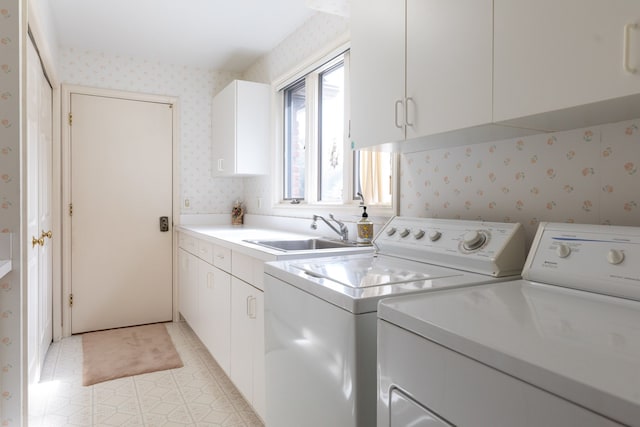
column 70, row 119
column 70, row 209
column 70, row 300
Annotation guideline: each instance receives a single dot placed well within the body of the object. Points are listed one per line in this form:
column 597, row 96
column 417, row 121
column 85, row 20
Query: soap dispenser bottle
column 365, row 227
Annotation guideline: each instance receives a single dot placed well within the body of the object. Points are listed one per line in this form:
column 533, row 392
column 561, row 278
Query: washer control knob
column 391, row 231
column 563, row 250
column 615, row 256
column 405, row 232
column 434, row 235
column 419, row 234
column 473, row 240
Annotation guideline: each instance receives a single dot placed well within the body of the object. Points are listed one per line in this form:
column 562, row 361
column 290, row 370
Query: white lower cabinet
column 187, row 291
column 214, row 297
column 225, row 312
column 247, row 342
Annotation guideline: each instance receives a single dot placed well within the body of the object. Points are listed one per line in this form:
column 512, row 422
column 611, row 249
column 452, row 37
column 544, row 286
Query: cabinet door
column 243, row 325
column 377, row 72
column 555, row 54
column 449, row 65
column 214, row 306
column 252, row 128
column 187, row 285
column 223, row 130
column 259, row 387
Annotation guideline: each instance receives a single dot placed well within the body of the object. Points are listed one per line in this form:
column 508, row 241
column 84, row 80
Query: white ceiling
column 216, row 34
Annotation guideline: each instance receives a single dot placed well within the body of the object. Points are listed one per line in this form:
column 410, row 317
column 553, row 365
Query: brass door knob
column 44, row 234
column 35, row 241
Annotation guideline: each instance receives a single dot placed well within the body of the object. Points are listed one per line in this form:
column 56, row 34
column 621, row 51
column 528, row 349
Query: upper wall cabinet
column 564, row 64
column 240, row 129
column 419, row 67
column 377, row 71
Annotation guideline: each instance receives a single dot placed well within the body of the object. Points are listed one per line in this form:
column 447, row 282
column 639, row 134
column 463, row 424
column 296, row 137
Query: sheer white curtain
column 375, row 177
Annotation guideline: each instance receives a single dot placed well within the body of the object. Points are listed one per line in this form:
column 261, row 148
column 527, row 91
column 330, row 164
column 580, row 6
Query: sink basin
column 303, row 245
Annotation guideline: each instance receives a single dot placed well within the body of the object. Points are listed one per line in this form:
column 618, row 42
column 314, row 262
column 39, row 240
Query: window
column 295, row 129
column 331, row 133
column 319, row 166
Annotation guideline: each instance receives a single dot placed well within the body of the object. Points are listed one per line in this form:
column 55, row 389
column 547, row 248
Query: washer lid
column 373, row 271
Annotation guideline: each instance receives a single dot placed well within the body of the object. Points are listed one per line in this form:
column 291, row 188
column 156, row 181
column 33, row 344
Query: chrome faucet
column 343, row 231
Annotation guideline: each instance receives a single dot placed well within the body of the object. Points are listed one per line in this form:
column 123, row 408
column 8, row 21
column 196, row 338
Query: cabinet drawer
column 242, row 267
column 205, row 251
column 188, row 243
column 222, row 258
column 248, row 269
column 258, row 274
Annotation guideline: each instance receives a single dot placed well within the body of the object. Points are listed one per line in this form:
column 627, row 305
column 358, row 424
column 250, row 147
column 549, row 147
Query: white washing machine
column 320, row 314
column 560, row 347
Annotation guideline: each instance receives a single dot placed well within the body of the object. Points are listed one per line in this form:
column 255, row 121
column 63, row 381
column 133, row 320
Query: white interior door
column 39, row 177
column 121, row 184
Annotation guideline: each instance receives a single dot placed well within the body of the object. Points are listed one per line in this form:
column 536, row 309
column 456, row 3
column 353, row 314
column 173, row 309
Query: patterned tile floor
column 198, row 394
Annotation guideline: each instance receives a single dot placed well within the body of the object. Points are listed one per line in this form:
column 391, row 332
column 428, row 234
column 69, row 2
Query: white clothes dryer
column 320, row 314
column 560, row 347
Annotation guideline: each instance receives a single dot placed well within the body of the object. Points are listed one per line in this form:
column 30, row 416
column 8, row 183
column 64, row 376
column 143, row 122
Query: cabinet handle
column 251, row 307
column 406, row 111
column 397, row 123
column 220, row 165
column 627, row 42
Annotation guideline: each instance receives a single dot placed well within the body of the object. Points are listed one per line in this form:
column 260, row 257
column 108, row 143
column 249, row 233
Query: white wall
column 194, row 87
column 40, row 12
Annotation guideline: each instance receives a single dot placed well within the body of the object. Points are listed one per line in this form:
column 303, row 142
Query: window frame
column 310, row 205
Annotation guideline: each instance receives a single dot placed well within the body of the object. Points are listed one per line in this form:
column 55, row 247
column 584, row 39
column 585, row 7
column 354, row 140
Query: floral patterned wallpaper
column 582, row 176
column 194, row 87
column 317, row 33
column 10, row 390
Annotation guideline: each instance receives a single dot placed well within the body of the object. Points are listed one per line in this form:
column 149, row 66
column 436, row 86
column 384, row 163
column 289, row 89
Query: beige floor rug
column 118, row 353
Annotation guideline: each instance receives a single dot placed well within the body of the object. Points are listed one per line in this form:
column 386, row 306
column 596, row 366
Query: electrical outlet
column 187, row 203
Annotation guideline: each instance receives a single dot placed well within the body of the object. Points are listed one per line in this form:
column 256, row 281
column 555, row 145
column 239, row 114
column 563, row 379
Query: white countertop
column 5, row 267
column 234, row 236
column 5, row 254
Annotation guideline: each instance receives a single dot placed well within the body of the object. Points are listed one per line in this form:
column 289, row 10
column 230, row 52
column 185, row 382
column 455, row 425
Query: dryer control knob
column 434, row 235
column 405, row 232
column 419, row 234
column 615, row 256
column 563, row 250
column 473, row 240
column 391, row 231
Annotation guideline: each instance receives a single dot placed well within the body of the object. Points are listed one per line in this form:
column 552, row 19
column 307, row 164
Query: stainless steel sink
column 303, row 245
